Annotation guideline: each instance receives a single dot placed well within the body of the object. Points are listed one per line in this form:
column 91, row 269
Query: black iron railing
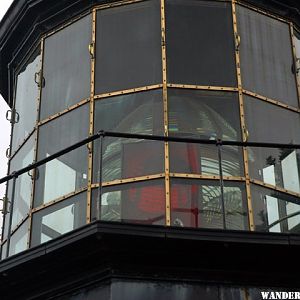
column 102, row 134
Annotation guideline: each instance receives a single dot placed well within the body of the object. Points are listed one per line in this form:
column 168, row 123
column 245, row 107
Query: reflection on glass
column 197, row 203
column 267, row 62
column 275, row 211
column 128, row 47
column 269, row 123
column 66, row 70
column 66, row 173
column 26, row 97
column 19, row 239
column 195, row 31
column 140, row 202
column 140, row 113
column 203, row 159
column 278, row 167
column 3, row 250
column 23, row 187
column 204, row 115
column 52, row 222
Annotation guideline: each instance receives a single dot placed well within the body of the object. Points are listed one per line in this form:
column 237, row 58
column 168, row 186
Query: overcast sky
column 4, row 124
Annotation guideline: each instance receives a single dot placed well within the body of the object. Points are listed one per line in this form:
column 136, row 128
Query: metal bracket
column 246, row 135
column 39, row 79
column 297, row 65
column 237, row 41
column 7, row 152
column 4, row 205
column 92, row 49
column 36, row 174
column 12, row 116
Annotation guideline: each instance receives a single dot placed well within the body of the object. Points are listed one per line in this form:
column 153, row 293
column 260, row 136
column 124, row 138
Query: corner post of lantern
column 165, row 107
column 245, row 134
column 91, row 49
column 35, row 151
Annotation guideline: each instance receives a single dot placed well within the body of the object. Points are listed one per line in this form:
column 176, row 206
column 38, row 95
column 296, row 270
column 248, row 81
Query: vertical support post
column 165, row 105
column 91, row 48
column 35, row 154
column 100, row 166
column 242, row 114
column 12, row 203
column 219, row 145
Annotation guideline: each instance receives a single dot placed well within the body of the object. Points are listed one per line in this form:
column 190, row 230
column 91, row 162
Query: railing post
column 219, row 146
column 11, row 213
column 100, row 166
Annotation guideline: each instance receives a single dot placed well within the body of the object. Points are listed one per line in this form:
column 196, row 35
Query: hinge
column 92, row 49
column 39, row 79
column 246, row 135
column 4, row 205
column 12, row 116
column 237, row 42
column 7, row 152
column 297, row 65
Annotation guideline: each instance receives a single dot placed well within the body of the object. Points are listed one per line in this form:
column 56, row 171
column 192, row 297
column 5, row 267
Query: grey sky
column 4, row 124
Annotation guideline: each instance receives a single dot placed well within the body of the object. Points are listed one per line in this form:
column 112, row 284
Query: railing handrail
column 143, row 137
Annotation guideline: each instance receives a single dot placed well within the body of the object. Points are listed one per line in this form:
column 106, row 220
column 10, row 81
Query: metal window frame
column 164, row 86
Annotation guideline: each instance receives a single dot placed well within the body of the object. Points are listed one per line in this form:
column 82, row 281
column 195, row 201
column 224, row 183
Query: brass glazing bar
column 129, row 91
column 21, row 145
column 206, row 177
column 293, row 37
column 202, row 87
column 60, row 199
column 165, row 107
column 35, row 153
column 276, row 188
column 91, row 125
column 119, row 3
column 260, row 10
column 129, row 180
column 59, row 28
column 73, row 107
column 242, row 113
column 271, row 101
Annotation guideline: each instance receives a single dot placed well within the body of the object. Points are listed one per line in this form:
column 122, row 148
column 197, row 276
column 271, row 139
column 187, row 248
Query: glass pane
column 195, row 31
column 52, row 222
column 66, row 68
column 140, row 113
column 203, row 159
column 269, row 123
column 266, row 56
column 139, row 202
column 19, row 239
column 275, row 211
column 278, row 167
column 67, row 173
column 128, row 47
column 27, row 93
column 23, row 188
column 197, row 203
column 204, row 115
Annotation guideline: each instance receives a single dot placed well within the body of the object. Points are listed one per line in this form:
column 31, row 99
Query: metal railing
column 102, row 134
